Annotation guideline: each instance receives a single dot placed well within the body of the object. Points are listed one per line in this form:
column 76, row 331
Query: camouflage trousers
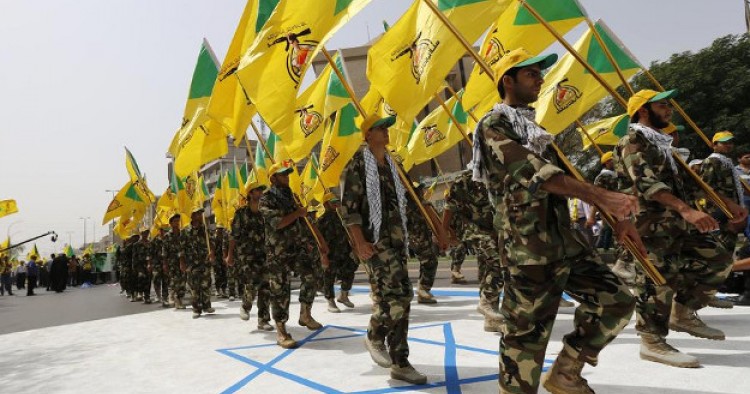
column 279, row 286
column 458, row 255
column 220, row 276
column 530, row 305
column 391, row 295
column 126, row 282
column 143, row 280
column 342, row 267
column 200, row 288
column 161, row 282
column 309, row 269
column 256, row 286
column 693, row 274
column 235, row 281
column 427, row 254
column 490, row 268
column 177, row 281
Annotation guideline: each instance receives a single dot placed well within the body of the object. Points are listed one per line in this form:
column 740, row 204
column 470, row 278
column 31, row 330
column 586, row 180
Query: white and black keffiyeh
column 662, row 141
column 372, row 183
column 533, row 137
column 727, row 163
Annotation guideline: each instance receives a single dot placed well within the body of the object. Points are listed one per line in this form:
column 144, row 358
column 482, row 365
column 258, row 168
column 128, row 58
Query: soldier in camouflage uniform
column 645, row 167
column 196, row 258
column 159, row 269
column 469, row 199
column 171, row 251
column 127, row 276
column 342, row 262
column 219, row 243
column 285, row 231
column 374, row 209
column 421, row 243
column 247, row 256
column 141, row 261
column 513, row 156
column 457, row 251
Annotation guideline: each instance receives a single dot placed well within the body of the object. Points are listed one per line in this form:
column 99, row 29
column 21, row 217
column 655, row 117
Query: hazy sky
column 80, row 79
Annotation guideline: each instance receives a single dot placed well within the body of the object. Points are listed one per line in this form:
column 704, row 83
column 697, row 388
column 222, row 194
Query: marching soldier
column 420, row 241
column 196, row 258
column 158, row 268
column 342, row 262
column 513, row 156
column 171, row 252
column 285, row 230
column 127, row 279
column 247, row 256
column 141, row 262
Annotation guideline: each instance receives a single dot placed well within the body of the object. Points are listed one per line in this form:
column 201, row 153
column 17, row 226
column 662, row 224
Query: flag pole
column 609, row 56
column 588, row 136
column 710, row 193
column 649, row 268
column 362, row 113
column 453, row 118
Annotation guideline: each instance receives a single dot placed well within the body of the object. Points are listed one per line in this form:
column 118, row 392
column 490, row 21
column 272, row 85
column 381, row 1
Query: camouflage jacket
column 194, row 247
column 248, row 232
column 280, row 243
column 141, row 253
column 470, row 201
column 220, row 245
column 334, row 233
column 537, row 230
column 606, row 179
column 171, row 249
column 644, row 170
column 721, row 178
column 157, row 246
column 126, row 256
column 356, row 210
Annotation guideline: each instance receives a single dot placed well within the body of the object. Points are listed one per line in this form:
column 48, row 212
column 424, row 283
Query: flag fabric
column 262, row 165
column 218, row 203
column 340, row 144
column 517, row 28
column 33, row 252
column 569, row 90
column 304, row 127
column 410, row 61
column 127, row 199
column 284, row 48
column 401, row 131
column 128, row 224
column 437, row 132
column 8, row 207
column 606, row 131
column 185, row 191
column 137, row 178
column 200, row 139
column 231, row 185
column 229, row 105
column 4, row 246
column 309, row 187
column 68, row 250
column 89, row 249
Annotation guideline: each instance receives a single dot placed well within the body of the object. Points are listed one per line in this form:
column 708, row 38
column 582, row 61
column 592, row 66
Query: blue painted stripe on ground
column 449, row 361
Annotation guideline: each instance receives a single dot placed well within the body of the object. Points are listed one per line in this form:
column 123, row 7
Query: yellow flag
column 8, row 207
column 517, row 28
column 35, row 252
column 401, row 131
column 409, row 63
column 569, row 91
column 606, row 131
column 272, row 68
column 321, row 99
column 436, row 133
column 229, row 103
column 310, row 188
column 124, row 202
column 218, row 203
column 200, row 139
column 340, row 144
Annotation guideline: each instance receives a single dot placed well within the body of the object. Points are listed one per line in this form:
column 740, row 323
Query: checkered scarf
column 372, row 183
column 662, row 141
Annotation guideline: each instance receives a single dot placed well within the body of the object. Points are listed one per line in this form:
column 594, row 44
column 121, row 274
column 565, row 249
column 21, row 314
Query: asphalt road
column 47, row 309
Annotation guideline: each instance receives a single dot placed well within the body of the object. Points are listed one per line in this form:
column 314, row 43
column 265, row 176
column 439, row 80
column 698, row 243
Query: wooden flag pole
column 588, row 136
column 453, row 119
column 609, row 56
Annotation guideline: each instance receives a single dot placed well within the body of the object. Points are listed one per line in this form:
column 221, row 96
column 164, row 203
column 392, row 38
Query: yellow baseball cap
column 330, row 197
column 518, row 58
column 252, row 185
column 671, row 128
column 607, row 156
column 375, row 121
column 722, row 136
column 279, row 168
column 642, row 97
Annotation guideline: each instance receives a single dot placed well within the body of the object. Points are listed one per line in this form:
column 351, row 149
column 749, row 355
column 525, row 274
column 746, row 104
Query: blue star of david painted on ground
column 452, row 382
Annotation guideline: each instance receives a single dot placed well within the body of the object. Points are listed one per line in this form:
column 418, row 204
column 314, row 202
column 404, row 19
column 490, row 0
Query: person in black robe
column 59, row 273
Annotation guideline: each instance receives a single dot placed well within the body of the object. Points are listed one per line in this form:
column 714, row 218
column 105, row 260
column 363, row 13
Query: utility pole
column 112, row 223
column 84, row 230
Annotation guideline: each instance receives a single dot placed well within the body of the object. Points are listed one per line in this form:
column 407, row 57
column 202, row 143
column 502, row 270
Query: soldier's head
column 606, row 160
column 219, row 228
column 254, row 190
column 744, row 159
column 651, row 108
column 519, row 76
column 375, row 130
column 723, row 142
column 174, row 222
column 144, row 234
column 279, row 174
column 196, row 217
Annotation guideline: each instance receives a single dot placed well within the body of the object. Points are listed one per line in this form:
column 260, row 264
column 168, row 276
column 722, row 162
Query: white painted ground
column 167, row 351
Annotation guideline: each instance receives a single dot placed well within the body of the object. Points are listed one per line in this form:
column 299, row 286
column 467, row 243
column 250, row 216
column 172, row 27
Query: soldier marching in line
column 159, row 268
column 171, row 252
column 196, row 258
column 342, row 261
column 421, row 242
column 247, row 256
column 141, row 267
column 127, row 279
column 219, row 242
column 284, row 230
column 514, row 158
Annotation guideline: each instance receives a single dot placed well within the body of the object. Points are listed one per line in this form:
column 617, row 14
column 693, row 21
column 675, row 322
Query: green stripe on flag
column 341, row 5
column 232, row 174
column 458, row 111
column 598, row 59
column 335, row 87
column 265, row 9
column 204, row 75
column 347, row 126
column 132, row 193
column 555, row 10
column 621, row 127
column 445, row 5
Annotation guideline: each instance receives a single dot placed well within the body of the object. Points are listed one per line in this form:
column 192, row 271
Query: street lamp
column 84, row 229
column 112, row 223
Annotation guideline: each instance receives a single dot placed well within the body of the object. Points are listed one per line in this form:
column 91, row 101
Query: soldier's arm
column 722, row 180
column 352, row 195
